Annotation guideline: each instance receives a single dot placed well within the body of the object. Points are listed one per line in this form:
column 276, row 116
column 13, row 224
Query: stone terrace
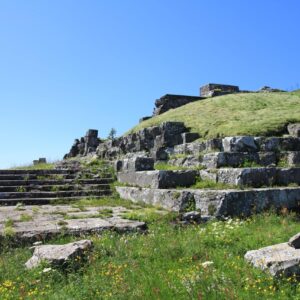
column 243, row 175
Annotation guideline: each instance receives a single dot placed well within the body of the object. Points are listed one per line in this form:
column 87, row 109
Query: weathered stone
column 267, row 89
column 188, row 161
column 189, row 137
column 168, row 102
column 213, row 89
column 280, row 259
column 52, row 220
column 293, row 158
column 240, row 144
column 175, row 200
column 238, row 159
column 59, row 255
column 294, row 129
column 135, row 164
column 218, row 203
column 159, row 179
column 41, row 160
column 191, row 217
column 85, row 145
column 256, row 177
column 208, row 175
column 251, row 177
column 294, row 241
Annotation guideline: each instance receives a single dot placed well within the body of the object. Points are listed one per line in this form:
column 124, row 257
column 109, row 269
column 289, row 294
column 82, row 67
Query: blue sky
column 67, row 66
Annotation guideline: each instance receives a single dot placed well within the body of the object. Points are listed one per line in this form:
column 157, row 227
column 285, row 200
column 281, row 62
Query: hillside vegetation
column 236, row 114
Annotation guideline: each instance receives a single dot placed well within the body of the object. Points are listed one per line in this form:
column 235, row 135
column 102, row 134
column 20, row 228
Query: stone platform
column 35, row 223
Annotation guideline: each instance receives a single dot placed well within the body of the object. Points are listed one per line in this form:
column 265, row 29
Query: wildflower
column 207, row 264
column 46, row 270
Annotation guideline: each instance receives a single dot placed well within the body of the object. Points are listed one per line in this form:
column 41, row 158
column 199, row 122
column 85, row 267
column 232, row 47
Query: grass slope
column 237, row 114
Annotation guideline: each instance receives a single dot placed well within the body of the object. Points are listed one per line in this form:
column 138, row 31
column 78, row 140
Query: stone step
column 240, row 144
column 43, row 177
column 218, row 203
column 38, row 201
column 238, row 159
column 37, row 172
column 158, row 179
column 68, row 187
column 254, row 177
column 55, row 182
column 59, row 194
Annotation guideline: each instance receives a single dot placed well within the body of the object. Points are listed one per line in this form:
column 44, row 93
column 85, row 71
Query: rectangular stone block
column 218, row 203
column 135, row 164
column 159, row 179
column 189, row 137
column 258, row 177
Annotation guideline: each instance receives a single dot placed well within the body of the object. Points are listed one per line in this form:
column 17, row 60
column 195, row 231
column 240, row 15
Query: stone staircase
column 245, row 174
column 46, row 186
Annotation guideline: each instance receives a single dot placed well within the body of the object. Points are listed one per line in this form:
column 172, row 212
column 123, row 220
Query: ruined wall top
column 214, row 89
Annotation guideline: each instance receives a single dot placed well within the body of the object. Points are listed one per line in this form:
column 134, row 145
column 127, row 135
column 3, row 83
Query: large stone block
column 257, row 177
column 189, row 137
column 175, row 200
column 294, row 129
column 135, row 164
column 159, row 179
column 168, row 102
column 218, row 203
column 239, row 144
column 280, row 259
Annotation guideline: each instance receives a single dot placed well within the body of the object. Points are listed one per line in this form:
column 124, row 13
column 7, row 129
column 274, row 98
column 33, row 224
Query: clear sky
column 67, row 66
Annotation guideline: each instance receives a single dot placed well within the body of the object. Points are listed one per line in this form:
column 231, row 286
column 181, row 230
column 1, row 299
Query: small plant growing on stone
column 21, row 189
column 211, row 209
column 25, row 218
column 20, row 206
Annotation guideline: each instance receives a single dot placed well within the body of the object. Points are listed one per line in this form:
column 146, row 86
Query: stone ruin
column 41, row 160
column 84, row 145
column 168, row 102
column 213, row 89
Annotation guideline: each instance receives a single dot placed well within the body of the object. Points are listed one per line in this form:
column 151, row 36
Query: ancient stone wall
column 213, row 89
column 168, row 102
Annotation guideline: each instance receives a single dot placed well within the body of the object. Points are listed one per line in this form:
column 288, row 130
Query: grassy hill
column 235, row 114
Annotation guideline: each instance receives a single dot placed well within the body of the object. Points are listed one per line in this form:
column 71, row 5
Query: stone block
column 159, row 179
column 294, row 129
column 280, row 259
column 135, row 164
column 294, row 241
column 174, row 200
column 239, row 144
column 217, row 203
column 59, row 255
column 189, row 137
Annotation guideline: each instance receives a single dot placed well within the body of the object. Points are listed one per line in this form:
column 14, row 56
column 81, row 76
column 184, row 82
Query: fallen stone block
column 294, row 241
column 280, row 259
column 294, row 129
column 159, row 179
column 59, row 255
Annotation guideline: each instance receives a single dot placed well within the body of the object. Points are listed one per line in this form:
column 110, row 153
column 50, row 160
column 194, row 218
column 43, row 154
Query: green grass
column 163, row 166
column 170, row 262
column 237, row 114
column 46, row 166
